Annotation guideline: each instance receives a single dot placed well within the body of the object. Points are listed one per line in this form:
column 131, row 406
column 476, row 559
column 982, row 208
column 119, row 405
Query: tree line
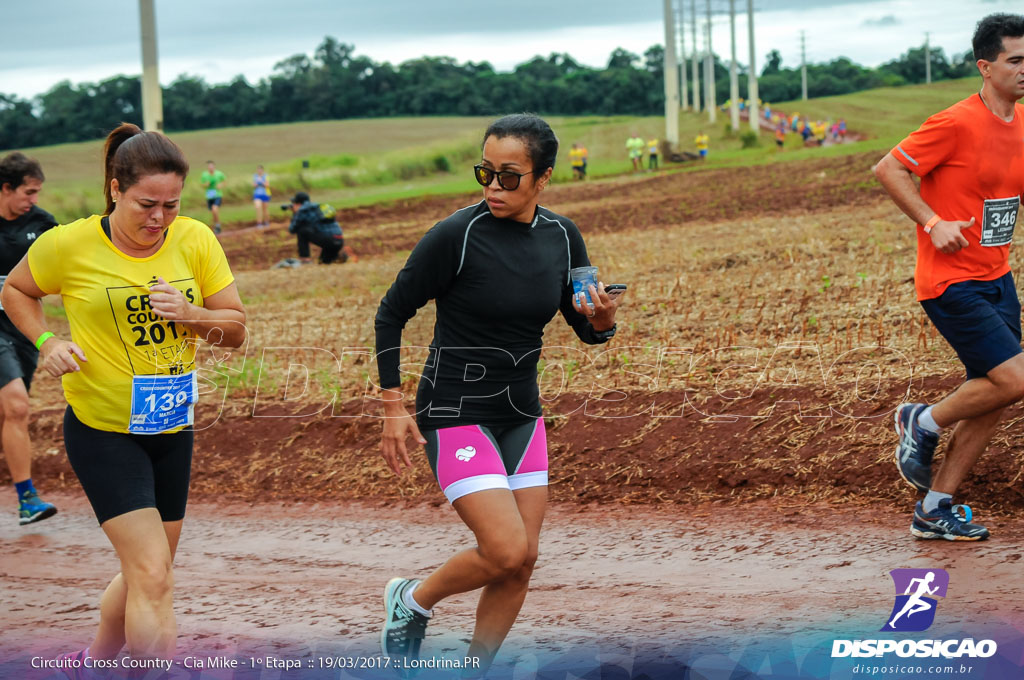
column 336, row 83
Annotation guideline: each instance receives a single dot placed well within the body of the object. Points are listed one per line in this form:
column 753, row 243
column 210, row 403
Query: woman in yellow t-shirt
column 141, row 286
column 578, row 161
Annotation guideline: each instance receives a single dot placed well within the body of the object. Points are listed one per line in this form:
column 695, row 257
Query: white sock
column 931, row 501
column 412, row 604
column 926, row 421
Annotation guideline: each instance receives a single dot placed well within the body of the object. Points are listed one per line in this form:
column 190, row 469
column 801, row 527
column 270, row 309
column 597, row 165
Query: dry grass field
column 769, row 331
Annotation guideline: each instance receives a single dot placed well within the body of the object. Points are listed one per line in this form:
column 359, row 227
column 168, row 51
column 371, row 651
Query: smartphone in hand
column 614, row 290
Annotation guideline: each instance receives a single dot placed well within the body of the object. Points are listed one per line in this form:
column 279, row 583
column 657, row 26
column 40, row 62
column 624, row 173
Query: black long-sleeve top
column 496, row 283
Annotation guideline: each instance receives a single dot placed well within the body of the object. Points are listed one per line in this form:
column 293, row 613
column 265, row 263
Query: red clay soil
column 787, row 442
column 661, row 199
column 778, row 443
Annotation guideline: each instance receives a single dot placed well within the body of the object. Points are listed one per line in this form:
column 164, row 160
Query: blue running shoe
column 404, row 629
column 947, row 522
column 31, row 508
column 916, row 447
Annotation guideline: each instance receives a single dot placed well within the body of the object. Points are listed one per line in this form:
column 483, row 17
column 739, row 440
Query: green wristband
column 43, row 338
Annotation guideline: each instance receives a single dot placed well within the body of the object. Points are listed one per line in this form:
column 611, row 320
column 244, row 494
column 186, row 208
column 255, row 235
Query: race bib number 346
column 163, row 402
column 998, row 221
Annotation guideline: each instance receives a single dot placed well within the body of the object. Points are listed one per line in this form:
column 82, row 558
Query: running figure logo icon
column 465, row 454
column 916, row 593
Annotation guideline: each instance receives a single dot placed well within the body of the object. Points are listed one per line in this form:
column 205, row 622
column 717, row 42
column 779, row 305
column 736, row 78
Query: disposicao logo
column 917, row 593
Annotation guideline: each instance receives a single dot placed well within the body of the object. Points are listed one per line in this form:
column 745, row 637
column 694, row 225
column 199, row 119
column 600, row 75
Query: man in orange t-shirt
column 970, row 159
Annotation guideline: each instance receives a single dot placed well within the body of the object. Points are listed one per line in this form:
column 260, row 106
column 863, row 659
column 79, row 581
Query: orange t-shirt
column 971, row 164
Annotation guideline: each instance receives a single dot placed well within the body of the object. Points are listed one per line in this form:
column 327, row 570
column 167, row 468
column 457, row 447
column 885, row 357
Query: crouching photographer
column 316, row 224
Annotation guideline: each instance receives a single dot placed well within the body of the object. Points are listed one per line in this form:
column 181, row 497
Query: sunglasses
column 507, row 180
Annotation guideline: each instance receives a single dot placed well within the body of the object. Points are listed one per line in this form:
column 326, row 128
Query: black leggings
column 122, row 472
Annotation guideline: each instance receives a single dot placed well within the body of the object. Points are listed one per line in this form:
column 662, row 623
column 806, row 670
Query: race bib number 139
column 163, row 402
column 998, row 221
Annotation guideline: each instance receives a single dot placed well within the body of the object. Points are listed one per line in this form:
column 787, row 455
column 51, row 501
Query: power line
column 752, row 94
column 709, row 68
column 803, row 65
column 671, row 81
column 681, row 31
column 927, row 59
column 712, row 9
column 152, row 97
column 734, row 80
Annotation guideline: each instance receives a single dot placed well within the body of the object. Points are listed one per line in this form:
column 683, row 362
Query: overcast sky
column 46, row 41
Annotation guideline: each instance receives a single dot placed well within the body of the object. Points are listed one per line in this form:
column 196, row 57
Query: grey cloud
column 881, row 22
column 52, row 34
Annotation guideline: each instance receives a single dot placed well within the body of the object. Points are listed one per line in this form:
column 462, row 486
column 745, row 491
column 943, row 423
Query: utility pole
column 803, row 66
column 671, row 79
column 693, row 62
column 927, row 59
column 710, row 78
column 754, row 107
column 734, row 78
column 684, row 93
column 152, row 98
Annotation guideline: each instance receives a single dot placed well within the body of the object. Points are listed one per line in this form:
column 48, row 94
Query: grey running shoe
column 916, row 447
column 403, row 629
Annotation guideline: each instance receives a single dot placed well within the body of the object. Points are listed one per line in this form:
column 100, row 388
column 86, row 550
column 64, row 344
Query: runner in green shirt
column 212, row 178
column 635, row 146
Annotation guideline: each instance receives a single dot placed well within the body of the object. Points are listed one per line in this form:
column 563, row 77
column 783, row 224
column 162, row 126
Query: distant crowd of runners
column 140, row 284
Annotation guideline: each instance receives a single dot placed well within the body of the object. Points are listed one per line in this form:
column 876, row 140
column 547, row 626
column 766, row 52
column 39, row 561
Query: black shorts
column 17, row 358
column 124, row 472
column 980, row 320
column 210, row 202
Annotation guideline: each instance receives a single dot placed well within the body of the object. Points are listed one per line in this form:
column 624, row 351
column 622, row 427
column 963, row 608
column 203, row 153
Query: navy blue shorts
column 980, row 320
column 210, row 202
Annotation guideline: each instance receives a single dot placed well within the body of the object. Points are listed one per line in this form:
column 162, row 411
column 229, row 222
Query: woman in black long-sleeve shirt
column 498, row 272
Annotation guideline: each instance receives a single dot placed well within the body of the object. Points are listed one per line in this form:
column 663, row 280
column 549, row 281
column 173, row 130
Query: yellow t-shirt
column 106, row 298
column 652, row 146
column 577, row 157
column 701, row 141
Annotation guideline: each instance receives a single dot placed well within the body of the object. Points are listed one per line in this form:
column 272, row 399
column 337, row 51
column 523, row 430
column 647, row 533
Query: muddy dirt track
column 298, row 579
